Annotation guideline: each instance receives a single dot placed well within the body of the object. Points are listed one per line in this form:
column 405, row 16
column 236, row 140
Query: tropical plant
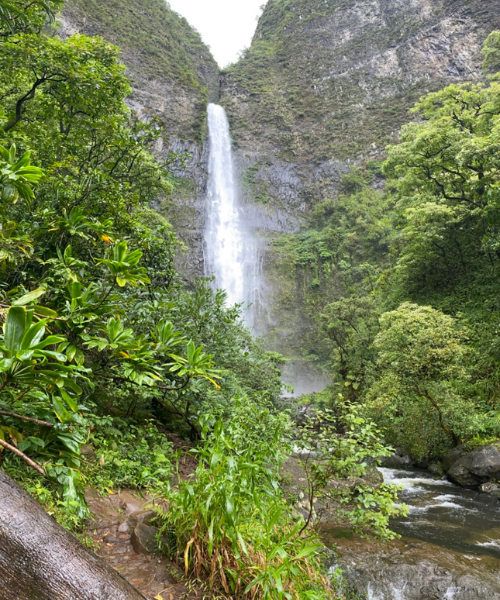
column 229, row 523
column 339, row 455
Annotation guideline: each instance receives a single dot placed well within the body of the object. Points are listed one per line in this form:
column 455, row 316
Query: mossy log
column 40, row 560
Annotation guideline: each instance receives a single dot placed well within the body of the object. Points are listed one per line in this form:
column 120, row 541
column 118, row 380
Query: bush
column 229, row 523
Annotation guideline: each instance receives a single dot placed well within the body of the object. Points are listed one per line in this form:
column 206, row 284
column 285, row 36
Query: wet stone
column 144, row 539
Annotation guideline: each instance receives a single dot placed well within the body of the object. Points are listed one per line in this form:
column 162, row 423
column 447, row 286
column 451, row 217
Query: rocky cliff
column 173, row 76
column 327, row 84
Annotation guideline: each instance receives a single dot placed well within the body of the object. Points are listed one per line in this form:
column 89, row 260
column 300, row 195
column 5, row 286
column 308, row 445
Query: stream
column 449, row 547
column 447, row 515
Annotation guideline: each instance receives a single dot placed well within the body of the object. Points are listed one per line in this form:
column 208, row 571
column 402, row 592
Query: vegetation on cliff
column 157, row 45
column 335, row 79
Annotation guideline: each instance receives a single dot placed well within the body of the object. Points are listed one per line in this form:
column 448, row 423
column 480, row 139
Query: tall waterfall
column 230, row 249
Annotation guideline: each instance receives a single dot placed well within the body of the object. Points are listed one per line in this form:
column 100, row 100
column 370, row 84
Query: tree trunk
column 39, row 560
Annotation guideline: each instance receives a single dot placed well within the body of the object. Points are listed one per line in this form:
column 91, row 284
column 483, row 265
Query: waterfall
column 230, row 248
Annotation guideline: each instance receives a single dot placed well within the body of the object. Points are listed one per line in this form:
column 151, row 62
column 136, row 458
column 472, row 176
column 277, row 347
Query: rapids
column 449, row 547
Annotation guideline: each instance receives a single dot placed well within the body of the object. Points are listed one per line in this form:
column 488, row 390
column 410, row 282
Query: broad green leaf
column 30, row 297
column 14, row 327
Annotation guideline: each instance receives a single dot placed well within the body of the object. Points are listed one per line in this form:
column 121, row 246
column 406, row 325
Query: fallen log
column 40, row 560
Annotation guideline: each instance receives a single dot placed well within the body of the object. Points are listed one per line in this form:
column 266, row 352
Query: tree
column 21, row 16
column 446, row 170
column 352, row 323
column 491, row 53
column 423, row 361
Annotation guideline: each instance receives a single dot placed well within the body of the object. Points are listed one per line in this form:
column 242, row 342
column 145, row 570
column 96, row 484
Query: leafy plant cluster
column 339, row 454
column 230, row 524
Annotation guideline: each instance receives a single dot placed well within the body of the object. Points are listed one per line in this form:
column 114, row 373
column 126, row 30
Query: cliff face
column 327, row 82
column 173, row 76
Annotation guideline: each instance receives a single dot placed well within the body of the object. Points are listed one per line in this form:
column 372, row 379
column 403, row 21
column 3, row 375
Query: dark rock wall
column 327, row 84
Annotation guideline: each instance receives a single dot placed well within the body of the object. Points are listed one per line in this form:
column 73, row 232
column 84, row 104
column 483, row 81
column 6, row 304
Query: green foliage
column 338, row 456
column 157, row 45
column 229, row 524
column 18, row 176
column 128, row 455
column 20, row 16
column 423, row 385
column 333, row 266
column 116, row 335
column 491, row 53
column 427, row 244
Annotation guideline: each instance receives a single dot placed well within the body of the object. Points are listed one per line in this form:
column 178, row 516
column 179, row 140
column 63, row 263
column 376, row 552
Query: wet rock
column 124, row 527
column 436, row 469
column 477, row 467
column 490, row 488
column 398, row 460
column 144, row 539
column 460, row 474
column 417, row 571
column 142, row 516
column 374, row 477
column 451, row 457
column 111, row 539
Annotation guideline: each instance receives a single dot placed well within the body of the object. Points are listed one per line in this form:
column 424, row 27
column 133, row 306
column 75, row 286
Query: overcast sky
column 227, row 26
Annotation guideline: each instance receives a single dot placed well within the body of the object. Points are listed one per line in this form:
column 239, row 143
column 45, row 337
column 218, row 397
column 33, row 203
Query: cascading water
column 449, row 547
column 230, row 249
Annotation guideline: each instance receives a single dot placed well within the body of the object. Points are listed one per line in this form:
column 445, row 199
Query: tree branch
column 23, row 418
column 26, row 459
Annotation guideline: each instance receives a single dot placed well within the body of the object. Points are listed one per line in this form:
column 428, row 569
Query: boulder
column 451, row 457
column 144, row 539
column 436, row 469
column 490, row 488
column 398, row 460
column 477, row 467
column 139, row 516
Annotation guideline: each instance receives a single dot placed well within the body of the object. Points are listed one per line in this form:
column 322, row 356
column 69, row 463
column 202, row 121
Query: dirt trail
column 152, row 575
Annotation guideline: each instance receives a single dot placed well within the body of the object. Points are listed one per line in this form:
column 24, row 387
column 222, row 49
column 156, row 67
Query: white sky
column 227, row 26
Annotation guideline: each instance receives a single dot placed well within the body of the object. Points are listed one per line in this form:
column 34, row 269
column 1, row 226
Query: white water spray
column 230, row 249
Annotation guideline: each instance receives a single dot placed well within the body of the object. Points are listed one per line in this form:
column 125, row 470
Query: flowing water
column 230, row 249
column 449, row 547
column 447, row 515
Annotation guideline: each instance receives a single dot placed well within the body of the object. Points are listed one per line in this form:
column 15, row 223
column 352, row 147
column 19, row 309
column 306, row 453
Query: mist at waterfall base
column 230, row 248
